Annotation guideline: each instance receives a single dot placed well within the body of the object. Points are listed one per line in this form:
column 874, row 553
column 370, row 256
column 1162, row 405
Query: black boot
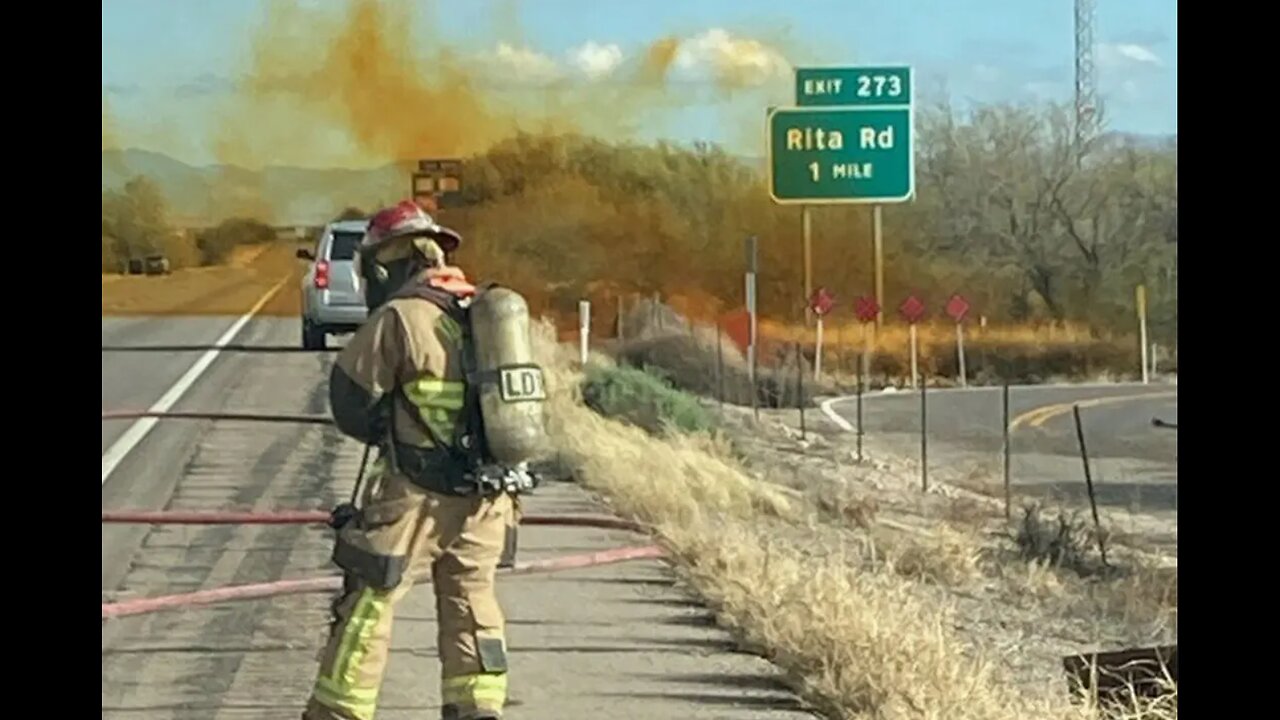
column 451, row 712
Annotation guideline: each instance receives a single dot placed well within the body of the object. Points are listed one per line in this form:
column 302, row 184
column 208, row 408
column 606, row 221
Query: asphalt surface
column 620, row 641
column 1133, row 464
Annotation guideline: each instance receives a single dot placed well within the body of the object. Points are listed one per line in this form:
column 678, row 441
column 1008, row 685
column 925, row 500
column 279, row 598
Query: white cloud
column 596, row 60
column 1120, row 54
column 738, row 58
column 524, row 64
column 1041, row 90
column 986, row 73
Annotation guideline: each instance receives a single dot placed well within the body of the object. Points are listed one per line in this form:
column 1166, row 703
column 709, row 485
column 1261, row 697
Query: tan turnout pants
column 459, row 539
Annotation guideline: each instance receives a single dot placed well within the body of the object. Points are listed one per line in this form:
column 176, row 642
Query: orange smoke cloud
column 364, row 84
column 108, row 133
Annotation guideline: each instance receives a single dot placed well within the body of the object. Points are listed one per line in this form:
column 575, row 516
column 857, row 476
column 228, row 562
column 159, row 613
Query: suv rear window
column 344, row 245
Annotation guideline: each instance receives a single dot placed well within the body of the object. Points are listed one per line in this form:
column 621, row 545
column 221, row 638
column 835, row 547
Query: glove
column 341, row 515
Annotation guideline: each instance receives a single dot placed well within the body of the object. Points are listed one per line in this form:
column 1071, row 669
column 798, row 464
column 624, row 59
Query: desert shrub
column 642, row 398
column 216, row 244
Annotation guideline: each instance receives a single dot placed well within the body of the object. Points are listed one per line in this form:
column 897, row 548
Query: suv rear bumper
column 338, row 315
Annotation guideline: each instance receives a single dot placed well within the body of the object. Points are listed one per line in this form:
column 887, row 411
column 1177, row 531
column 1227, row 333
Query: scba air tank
column 512, row 388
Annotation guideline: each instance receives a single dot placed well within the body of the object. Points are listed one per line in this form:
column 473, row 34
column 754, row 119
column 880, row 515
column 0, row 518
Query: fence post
column 1088, row 482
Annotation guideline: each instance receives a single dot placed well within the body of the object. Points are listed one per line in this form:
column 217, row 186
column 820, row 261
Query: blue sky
column 168, row 64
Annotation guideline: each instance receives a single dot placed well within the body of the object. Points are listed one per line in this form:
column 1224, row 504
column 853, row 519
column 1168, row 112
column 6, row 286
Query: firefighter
column 400, row 385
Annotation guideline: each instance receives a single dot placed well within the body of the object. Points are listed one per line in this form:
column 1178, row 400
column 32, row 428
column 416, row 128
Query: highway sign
column 957, row 307
column 841, row 155
column 437, row 179
column 911, row 309
column 853, row 86
column 866, row 308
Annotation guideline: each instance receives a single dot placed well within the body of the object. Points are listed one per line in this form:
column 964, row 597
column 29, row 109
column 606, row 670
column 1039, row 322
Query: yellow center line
column 1037, row 417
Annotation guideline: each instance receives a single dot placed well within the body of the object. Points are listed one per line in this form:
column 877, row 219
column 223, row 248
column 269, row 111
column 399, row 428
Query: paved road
column 147, row 475
column 1135, row 464
column 619, row 641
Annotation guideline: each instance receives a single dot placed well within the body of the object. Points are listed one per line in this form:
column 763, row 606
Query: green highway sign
column 833, row 155
column 853, row 86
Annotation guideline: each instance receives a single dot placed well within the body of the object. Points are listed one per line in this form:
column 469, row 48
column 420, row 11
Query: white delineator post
column 584, row 329
column 914, row 370
column 1142, row 331
column 817, row 354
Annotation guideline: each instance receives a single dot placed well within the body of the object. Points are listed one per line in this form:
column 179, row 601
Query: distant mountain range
column 289, row 195
column 302, row 196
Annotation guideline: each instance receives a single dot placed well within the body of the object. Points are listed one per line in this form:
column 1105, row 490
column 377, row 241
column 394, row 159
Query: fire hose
column 327, row 583
column 231, row 593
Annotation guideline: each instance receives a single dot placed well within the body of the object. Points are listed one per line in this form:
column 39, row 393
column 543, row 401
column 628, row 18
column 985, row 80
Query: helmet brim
column 447, row 239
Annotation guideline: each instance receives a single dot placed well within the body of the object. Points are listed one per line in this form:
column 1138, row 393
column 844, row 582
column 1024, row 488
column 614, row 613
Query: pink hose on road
column 256, row 591
column 141, row 606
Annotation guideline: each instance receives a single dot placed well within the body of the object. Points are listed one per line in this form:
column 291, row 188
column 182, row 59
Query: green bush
column 644, row 399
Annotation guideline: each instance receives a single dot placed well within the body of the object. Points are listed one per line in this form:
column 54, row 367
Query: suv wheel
column 313, row 338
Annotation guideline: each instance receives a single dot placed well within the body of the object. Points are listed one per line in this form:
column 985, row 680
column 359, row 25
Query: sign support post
column 877, row 255
column 817, row 354
column 820, row 304
column 806, row 227
column 867, row 310
column 957, row 307
column 912, row 310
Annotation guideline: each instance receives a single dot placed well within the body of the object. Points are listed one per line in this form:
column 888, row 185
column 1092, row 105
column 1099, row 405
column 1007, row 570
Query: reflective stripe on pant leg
column 484, row 691
column 471, row 626
column 341, row 688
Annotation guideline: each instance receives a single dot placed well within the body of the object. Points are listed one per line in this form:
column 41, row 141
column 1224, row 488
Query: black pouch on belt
column 351, row 553
column 435, row 470
column 382, row 572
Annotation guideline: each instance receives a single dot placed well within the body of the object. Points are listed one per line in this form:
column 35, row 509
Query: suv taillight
column 322, row 274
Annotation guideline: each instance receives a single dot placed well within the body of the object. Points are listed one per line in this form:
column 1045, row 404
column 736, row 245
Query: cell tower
column 1086, row 86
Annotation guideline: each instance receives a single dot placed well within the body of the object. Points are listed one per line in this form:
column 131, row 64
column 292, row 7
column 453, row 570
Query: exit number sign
column 854, row 86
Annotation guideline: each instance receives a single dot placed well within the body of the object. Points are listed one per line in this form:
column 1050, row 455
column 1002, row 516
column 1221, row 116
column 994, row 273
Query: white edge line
column 833, row 416
column 139, row 429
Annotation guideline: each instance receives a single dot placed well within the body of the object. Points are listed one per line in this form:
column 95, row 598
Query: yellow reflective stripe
column 359, row 703
column 451, row 329
column 341, row 687
column 438, row 402
column 488, row 690
column 434, row 392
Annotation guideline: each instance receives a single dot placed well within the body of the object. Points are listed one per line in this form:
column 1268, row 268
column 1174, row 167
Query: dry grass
column 894, row 335
column 858, row 625
column 1015, row 353
column 230, row 289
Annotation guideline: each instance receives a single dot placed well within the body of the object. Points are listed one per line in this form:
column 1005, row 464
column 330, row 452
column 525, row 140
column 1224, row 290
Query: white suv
column 332, row 295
